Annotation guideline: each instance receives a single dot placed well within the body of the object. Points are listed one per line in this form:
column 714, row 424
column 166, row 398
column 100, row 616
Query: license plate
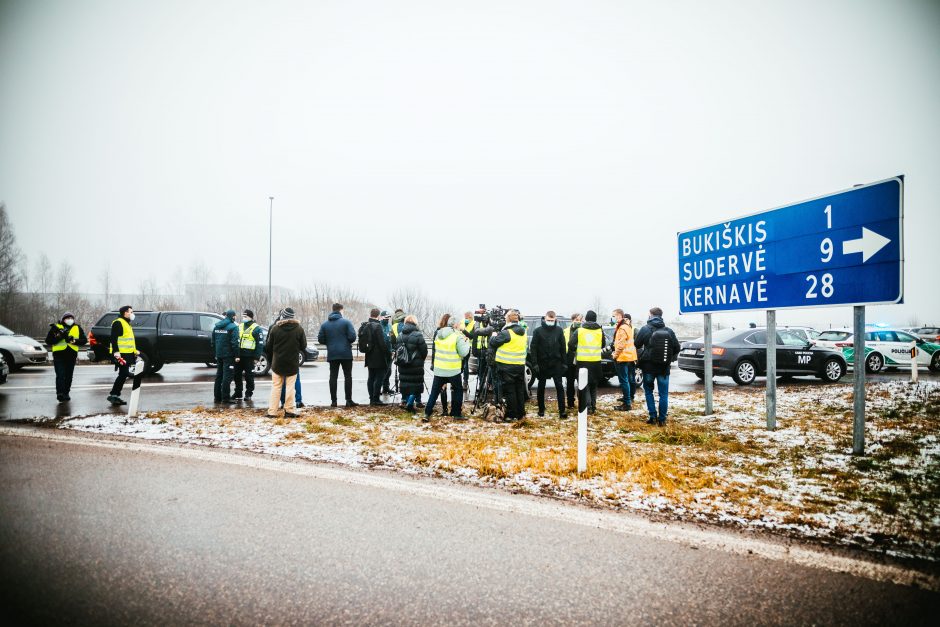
column 689, row 351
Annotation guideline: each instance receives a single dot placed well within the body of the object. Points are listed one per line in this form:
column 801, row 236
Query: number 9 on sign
column 825, row 286
column 825, row 247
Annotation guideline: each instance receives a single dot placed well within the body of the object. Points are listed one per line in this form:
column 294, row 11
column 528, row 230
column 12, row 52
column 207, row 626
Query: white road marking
column 107, row 386
column 713, row 539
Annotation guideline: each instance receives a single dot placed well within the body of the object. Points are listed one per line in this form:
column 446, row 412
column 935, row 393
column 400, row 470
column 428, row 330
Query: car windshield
column 834, row 336
column 5, row 331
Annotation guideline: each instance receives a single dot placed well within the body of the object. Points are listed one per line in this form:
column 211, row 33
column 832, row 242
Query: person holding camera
column 64, row 338
column 511, row 348
column 550, row 360
column 586, row 344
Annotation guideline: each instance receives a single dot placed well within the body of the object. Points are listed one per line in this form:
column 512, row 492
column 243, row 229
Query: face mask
column 466, row 320
column 550, row 323
column 246, row 320
column 613, row 320
column 69, row 321
column 132, row 316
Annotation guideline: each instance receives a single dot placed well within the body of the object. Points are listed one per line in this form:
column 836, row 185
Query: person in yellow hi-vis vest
column 511, row 347
column 448, row 352
column 250, row 348
column 586, row 344
column 64, row 338
column 123, row 349
column 466, row 328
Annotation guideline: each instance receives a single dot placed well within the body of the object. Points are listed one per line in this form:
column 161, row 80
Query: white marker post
column 914, row 372
column 582, row 420
column 135, row 392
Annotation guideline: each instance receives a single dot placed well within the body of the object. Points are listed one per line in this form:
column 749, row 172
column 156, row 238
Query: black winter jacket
column 377, row 357
column 411, row 377
column 548, row 350
column 642, row 340
column 286, row 340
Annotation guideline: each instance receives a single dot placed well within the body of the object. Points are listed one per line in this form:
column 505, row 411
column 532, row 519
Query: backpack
column 658, row 349
column 365, row 337
column 402, row 357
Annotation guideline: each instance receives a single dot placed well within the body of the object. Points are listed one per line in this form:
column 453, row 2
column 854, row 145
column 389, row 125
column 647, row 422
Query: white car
column 884, row 348
column 20, row 350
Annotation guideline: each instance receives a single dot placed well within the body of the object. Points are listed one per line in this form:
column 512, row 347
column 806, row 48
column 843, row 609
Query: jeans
column 559, row 393
column 298, row 396
column 64, row 362
column 375, row 383
column 346, row 365
column 123, row 373
column 662, row 384
column 224, row 374
column 625, row 372
column 437, row 387
column 279, row 383
column 245, row 367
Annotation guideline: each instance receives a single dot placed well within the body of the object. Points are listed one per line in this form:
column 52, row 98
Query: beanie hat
column 249, row 313
column 67, row 314
column 590, row 316
column 287, row 313
column 229, row 313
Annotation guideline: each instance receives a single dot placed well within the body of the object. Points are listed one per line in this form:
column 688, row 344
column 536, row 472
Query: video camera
column 494, row 317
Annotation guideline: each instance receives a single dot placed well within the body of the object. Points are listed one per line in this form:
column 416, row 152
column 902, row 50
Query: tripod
column 487, row 383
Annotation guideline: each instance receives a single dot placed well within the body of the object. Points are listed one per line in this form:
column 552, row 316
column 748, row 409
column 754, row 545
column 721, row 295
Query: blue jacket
column 225, row 338
column 338, row 334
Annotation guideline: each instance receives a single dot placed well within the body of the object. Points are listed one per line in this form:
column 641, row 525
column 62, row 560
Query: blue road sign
column 842, row 249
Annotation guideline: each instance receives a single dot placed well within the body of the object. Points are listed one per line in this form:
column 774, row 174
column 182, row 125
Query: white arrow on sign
column 868, row 244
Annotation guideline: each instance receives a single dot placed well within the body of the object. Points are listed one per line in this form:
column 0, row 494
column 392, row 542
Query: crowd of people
column 394, row 343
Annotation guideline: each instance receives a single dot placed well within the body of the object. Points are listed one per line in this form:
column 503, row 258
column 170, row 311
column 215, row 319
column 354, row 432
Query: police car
column 884, row 348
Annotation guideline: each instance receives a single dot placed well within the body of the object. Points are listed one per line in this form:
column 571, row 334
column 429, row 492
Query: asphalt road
column 106, row 536
column 30, row 392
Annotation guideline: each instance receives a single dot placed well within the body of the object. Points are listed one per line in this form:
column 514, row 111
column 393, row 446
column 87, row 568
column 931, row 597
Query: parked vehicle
column 885, row 348
column 20, row 350
column 4, row 370
column 162, row 337
column 742, row 355
column 928, row 334
column 807, row 334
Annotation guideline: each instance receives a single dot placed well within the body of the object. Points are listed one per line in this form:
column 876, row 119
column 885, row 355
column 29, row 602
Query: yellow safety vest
column 446, row 356
column 513, row 352
column 589, row 344
column 126, row 343
column 468, row 326
column 247, row 336
column 61, row 345
column 394, row 331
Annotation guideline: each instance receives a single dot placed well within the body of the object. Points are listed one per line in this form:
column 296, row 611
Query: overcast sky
column 537, row 154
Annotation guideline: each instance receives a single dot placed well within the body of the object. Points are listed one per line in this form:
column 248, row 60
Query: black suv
column 162, row 337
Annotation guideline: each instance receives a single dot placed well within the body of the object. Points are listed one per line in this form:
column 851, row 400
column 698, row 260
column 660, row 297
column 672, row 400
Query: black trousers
column 512, row 387
column 64, row 363
column 559, row 392
column 123, row 372
column 224, row 373
column 375, row 383
column 594, row 375
column 346, row 365
column 437, row 389
column 245, row 368
column 571, row 379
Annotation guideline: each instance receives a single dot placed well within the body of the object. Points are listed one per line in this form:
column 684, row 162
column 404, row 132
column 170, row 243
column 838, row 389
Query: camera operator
column 511, row 347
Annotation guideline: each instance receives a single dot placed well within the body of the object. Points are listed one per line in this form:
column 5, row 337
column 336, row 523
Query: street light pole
column 270, row 250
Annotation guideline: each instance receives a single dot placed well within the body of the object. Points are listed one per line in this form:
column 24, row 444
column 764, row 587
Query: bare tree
column 11, row 274
column 43, row 275
column 416, row 302
column 106, row 280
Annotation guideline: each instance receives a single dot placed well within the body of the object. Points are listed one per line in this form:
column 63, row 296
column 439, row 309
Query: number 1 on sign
column 828, row 212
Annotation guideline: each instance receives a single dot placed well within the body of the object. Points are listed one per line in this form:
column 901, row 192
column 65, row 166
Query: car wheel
column 262, row 367
column 874, row 363
column 303, row 359
column 638, row 377
column 7, row 357
column 934, row 363
column 147, row 363
column 745, row 372
column 156, row 366
column 211, row 364
column 833, row 370
column 700, row 375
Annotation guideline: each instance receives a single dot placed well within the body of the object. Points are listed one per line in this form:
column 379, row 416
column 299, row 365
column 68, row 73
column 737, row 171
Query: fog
column 531, row 154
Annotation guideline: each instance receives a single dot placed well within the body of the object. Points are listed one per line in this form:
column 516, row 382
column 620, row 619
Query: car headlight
column 28, row 347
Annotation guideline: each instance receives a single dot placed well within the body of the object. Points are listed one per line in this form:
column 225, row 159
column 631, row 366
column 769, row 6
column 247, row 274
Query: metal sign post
column 582, row 420
column 709, row 404
column 858, row 429
column 771, row 369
